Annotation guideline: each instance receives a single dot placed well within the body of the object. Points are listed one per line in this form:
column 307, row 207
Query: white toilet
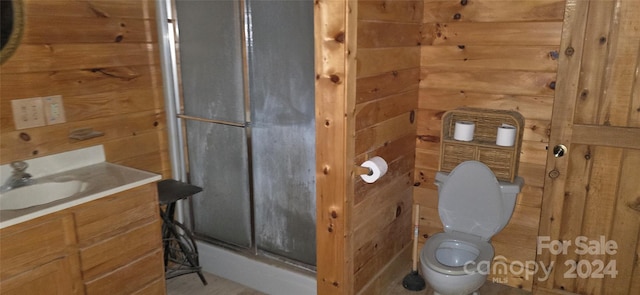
column 473, row 206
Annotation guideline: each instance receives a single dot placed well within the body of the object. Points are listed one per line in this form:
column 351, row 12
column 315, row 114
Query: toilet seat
column 465, row 242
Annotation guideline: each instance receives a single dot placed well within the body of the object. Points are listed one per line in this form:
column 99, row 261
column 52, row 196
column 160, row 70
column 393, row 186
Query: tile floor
column 190, row 285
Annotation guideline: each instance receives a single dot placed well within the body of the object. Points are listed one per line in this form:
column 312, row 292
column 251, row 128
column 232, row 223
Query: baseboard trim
column 255, row 274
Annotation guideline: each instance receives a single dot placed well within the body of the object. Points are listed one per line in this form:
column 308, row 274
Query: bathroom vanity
column 105, row 239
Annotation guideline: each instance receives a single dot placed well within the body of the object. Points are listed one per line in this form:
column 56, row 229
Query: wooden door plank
column 624, row 137
column 569, row 68
column 624, row 39
column 595, row 60
column 599, row 208
column 635, row 282
column 579, row 169
column 625, row 230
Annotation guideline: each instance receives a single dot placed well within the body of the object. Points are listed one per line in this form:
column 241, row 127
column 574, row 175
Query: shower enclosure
column 247, row 107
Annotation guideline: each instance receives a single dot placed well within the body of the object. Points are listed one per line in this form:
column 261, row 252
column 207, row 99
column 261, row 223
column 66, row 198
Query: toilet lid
column 470, row 201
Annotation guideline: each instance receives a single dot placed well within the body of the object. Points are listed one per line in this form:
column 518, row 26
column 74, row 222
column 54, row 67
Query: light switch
column 54, row 109
column 27, row 113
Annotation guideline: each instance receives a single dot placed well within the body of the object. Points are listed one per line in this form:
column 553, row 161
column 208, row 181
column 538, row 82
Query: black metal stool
column 180, row 251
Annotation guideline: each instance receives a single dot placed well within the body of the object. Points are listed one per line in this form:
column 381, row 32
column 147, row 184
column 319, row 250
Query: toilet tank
column 510, row 191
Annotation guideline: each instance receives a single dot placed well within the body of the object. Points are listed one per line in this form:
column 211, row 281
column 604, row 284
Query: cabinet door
column 39, row 257
column 50, row 278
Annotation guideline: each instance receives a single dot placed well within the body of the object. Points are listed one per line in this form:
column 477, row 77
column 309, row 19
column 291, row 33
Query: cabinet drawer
column 116, row 214
column 454, row 154
column 23, row 250
column 501, row 162
column 130, row 278
column 156, row 287
column 115, row 252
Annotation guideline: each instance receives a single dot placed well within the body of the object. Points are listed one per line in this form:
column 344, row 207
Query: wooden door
column 590, row 222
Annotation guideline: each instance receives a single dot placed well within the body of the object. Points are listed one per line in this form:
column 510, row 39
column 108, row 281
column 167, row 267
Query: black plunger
column 413, row 281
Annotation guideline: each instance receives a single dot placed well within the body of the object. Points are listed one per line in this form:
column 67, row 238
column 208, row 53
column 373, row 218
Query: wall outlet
column 28, row 113
column 54, row 109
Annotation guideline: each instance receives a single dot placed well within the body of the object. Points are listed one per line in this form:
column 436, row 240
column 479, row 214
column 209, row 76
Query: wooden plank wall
column 491, row 54
column 388, row 59
column 102, row 57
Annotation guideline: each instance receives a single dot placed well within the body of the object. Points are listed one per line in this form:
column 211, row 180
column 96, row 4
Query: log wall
column 387, row 79
column 102, row 57
column 489, row 54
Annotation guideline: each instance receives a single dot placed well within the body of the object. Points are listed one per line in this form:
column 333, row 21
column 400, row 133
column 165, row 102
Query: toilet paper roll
column 377, row 166
column 506, row 135
column 464, row 131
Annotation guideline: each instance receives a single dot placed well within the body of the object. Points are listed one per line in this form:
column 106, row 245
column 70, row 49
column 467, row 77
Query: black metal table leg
column 180, row 250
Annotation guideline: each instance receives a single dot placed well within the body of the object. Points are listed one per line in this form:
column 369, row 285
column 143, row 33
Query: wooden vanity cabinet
column 120, row 243
column 108, row 246
column 40, row 257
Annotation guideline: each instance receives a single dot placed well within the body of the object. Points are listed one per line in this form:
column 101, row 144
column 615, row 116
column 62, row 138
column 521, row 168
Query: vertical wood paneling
column 335, row 38
column 499, row 55
column 102, row 57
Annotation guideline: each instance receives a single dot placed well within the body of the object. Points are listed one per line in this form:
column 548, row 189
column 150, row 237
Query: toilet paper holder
column 362, row 170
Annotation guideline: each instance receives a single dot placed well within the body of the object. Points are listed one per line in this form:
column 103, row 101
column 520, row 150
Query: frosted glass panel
column 218, row 163
column 283, row 135
column 210, row 35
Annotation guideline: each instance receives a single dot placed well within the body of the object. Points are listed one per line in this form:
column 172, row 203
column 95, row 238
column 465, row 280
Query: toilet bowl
column 473, row 206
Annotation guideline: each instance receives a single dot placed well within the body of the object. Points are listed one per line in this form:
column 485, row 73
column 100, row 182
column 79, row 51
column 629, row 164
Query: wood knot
column 602, row 40
column 635, row 205
column 339, row 37
column 335, row 78
column 25, row 136
column 334, row 214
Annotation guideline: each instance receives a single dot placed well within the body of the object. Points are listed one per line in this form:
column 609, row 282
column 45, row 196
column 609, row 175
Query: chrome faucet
column 19, row 177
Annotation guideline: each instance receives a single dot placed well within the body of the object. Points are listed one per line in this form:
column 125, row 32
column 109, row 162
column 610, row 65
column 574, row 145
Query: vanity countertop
column 102, row 178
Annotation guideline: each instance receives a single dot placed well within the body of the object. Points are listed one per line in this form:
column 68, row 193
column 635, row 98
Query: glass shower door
column 211, row 64
column 250, row 130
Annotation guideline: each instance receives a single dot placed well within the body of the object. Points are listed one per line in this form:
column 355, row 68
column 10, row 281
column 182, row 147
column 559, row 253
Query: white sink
column 40, row 193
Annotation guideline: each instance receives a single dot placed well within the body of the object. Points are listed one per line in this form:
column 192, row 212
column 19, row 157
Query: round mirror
column 12, row 25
